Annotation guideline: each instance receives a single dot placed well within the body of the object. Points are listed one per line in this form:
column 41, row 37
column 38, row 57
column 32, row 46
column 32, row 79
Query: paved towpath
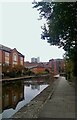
column 62, row 103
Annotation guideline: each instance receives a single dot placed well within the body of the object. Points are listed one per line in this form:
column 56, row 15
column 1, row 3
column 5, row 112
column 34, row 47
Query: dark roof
column 2, row 47
column 32, row 65
column 18, row 52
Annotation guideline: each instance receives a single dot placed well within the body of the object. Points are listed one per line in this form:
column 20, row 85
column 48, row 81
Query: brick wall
column 38, row 70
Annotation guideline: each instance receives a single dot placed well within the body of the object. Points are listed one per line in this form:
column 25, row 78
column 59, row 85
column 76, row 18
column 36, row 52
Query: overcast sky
column 21, row 29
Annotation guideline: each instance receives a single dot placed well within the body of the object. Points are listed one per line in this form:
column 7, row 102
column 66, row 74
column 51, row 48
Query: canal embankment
column 17, row 78
column 32, row 109
column 22, row 78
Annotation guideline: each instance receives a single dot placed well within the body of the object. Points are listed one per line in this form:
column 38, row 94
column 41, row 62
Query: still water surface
column 17, row 94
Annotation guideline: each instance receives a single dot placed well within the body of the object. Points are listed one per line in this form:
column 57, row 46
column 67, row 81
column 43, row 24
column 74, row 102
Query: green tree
column 69, row 69
column 16, row 71
column 46, row 70
column 27, row 71
column 60, row 28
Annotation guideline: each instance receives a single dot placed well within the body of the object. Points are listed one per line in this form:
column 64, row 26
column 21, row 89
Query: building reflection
column 12, row 94
column 0, row 97
column 35, row 86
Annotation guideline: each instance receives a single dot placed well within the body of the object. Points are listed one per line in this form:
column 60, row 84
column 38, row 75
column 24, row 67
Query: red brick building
column 10, row 57
column 57, row 66
column 37, row 67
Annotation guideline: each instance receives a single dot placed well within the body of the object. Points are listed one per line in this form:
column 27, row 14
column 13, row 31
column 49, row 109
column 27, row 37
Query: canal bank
column 24, row 77
column 56, row 101
column 32, row 109
column 16, row 94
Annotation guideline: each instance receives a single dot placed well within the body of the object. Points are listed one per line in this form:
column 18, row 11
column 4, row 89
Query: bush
column 69, row 70
column 46, row 70
column 12, row 74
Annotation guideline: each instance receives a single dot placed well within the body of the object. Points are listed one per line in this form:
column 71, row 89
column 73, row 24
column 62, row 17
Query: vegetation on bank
column 18, row 71
column 69, row 66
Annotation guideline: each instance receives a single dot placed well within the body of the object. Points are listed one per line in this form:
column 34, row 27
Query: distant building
column 37, row 67
column 10, row 57
column 30, row 65
column 56, row 65
column 35, row 60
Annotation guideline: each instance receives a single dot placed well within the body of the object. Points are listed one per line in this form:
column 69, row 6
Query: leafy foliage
column 28, row 72
column 46, row 70
column 69, row 69
column 61, row 21
column 60, row 28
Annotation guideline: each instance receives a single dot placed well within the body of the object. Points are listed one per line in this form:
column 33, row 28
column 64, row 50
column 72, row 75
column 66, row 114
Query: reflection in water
column 12, row 94
column 0, row 98
column 17, row 94
column 35, row 87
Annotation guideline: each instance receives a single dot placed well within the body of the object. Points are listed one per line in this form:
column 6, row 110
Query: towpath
column 62, row 103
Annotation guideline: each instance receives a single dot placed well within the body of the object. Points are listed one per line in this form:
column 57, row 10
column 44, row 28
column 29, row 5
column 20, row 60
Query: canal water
column 17, row 94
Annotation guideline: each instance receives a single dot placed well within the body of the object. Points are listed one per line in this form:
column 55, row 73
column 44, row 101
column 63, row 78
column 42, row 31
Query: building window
column 6, row 57
column 15, row 59
column 21, row 60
